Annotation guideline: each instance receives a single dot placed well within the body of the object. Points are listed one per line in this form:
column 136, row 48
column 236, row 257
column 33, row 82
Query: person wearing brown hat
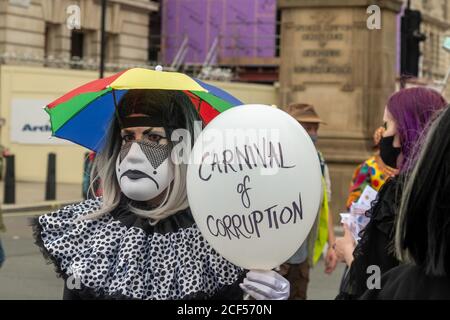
column 296, row 269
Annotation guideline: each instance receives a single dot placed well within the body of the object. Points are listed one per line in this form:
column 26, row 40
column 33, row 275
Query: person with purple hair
column 422, row 230
column 406, row 117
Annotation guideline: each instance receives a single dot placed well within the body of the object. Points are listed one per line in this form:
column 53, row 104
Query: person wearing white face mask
column 139, row 240
column 143, row 169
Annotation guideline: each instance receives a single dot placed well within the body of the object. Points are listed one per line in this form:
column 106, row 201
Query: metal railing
column 234, row 46
column 223, row 47
column 70, row 63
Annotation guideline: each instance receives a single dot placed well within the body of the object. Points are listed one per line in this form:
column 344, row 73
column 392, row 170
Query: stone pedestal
column 332, row 60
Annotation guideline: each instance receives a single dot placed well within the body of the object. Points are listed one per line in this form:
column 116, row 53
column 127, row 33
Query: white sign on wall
column 30, row 123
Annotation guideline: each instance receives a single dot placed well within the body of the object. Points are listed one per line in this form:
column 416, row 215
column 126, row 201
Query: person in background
column 373, row 172
column 422, row 233
column 297, row 268
column 4, row 154
column 407, row 115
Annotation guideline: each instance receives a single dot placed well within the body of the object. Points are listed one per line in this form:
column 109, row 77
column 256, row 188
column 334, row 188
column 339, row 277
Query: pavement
column 30, row 196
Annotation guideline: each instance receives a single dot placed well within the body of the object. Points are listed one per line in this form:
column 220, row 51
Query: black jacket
column 409, row 282
column 375, row 247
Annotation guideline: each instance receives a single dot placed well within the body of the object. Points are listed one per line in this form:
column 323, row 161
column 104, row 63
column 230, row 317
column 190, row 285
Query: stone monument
column 340, row 56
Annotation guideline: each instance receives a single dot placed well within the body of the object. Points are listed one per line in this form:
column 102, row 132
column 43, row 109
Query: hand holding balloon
column 266, row 285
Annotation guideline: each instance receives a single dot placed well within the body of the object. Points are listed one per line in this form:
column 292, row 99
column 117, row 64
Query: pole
column 50, row 185
column 102, row 39
column 9, row 193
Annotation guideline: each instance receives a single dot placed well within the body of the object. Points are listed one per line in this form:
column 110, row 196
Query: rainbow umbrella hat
column 84, row 114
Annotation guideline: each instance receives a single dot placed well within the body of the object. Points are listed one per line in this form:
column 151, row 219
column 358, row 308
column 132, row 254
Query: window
column 77, row 45
column 111, row 47
column 278, row 34
column 50, row 40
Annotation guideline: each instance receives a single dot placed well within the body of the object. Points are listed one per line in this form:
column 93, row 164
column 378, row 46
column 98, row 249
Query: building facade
column 331, row 59
column 66, row 33
column 435, row 60
column 230, row 30
column 328, row 58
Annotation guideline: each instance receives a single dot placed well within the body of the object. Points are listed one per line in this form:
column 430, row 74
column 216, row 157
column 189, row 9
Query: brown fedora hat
column 303, row 112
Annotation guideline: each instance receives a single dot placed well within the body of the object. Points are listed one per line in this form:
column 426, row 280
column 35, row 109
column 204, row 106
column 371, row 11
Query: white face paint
column 142, row 176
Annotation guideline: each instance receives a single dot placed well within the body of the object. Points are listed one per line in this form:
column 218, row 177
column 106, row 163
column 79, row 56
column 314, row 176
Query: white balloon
column 254, row 185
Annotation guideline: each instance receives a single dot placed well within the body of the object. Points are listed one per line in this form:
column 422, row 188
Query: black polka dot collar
column 119, row 254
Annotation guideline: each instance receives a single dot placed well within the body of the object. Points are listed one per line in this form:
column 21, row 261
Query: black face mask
column 388, row 152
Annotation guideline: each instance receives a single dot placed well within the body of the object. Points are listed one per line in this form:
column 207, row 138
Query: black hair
column 172, row 108
column 424, row 219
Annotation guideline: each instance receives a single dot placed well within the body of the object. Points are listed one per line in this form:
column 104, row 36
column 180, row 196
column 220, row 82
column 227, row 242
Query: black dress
column 376, row 246
column 121, row 256
column 409, row 282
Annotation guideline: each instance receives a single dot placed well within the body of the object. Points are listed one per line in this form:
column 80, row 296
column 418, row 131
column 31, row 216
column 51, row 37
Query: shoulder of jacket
column 88, row 205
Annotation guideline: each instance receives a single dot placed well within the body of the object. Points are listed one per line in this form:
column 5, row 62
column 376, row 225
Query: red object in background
column 206, row 112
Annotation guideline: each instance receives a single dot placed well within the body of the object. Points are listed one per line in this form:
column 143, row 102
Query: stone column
column 332, row 60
